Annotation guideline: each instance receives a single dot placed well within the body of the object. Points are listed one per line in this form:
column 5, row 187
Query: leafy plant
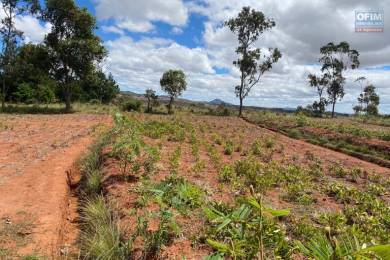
column 246, row 231
column 343, row 247
column 164, row 235
column 226, row 173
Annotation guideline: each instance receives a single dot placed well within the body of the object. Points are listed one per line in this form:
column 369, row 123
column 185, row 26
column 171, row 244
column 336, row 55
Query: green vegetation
column 174, row 83
column 62, row 68
column 173, row 206
column 100, row 235
column 352, row 136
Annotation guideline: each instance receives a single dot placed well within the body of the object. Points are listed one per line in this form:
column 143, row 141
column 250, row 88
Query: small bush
column 132, row 105
column 294, row 133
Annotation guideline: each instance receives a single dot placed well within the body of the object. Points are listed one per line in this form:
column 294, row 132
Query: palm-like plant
column 321, row 247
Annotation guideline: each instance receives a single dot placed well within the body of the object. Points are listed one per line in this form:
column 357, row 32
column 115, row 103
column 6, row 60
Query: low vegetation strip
column 349, row 138
column 101, row 237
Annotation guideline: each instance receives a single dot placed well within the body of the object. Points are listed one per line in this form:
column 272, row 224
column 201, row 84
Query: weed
column 335, row 223
column 256, row 147
column 269, row 142
column 229, row 148
column 93, row 183
column 217, row 139
column 174, row 160
column 100, row 237
column 199, row 166
column 338, row 170
column 355, row 174
column 227, row 173
column 164, row 235
column 152, row 157
column 297, row 192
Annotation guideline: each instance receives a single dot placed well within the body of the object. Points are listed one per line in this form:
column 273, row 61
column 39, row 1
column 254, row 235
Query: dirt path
column 35, row 154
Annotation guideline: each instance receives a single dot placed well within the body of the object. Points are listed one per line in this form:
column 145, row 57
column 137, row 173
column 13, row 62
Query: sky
column 147, row 37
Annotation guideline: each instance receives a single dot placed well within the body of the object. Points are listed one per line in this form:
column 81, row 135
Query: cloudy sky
column 147, row 37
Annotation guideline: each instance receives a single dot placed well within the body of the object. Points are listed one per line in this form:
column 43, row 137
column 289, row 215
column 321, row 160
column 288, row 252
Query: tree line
column 64, row 67
column 254, row 62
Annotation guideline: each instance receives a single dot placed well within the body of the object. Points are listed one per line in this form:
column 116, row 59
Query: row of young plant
column 299, row 184
column 295, row 193
column 294, row 127
column 242, row 231
column 348, row 125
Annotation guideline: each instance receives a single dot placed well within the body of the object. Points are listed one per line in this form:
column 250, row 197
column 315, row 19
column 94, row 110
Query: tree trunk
column 334, row 103
column 68, row 104
column 170, row 105
column 240, row 110
column 3, row 96
column 148, row 109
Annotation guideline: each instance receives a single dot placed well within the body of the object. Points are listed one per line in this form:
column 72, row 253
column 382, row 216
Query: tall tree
column 252, row 62
column 11, row 37
column 336, row 58
column 320, row 84
column 151, row 99
column 174, row 83
column 361, row 81
column 73, row 47
column 370, row 100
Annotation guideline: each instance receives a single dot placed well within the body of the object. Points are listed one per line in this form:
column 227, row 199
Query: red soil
column 36, row 155
column 123, row 193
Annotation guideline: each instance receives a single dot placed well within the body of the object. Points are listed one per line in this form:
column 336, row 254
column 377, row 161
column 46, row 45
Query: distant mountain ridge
column 214, row 102
column 218, row 102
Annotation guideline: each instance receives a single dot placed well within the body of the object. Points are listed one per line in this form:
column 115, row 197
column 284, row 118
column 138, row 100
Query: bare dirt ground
column 36, row 154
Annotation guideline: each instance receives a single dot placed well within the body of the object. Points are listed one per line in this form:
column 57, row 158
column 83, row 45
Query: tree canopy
column 173, row 82
column 73, row 47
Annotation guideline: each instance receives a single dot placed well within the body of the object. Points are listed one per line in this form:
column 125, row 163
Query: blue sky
column 147, row 37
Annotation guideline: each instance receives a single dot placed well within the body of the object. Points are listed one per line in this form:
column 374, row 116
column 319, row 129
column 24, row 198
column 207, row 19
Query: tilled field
column 188, row 187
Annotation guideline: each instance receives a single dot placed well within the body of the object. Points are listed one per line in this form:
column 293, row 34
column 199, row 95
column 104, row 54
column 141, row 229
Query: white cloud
column 176, row 30
column 140, row 64
column 113, row 29
column 138, row 16
column 33, row 30
column 302, row 27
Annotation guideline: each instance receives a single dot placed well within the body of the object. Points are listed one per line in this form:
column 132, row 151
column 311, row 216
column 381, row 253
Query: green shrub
column 294, row 133
column 226, row 173
column 131, row 105
column 229, row 148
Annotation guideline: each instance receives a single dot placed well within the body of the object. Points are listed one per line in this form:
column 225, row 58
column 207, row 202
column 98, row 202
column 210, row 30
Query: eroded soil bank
column 37, row 154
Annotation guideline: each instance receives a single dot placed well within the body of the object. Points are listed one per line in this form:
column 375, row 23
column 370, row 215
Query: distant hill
column 212, row 103
column 218, row 102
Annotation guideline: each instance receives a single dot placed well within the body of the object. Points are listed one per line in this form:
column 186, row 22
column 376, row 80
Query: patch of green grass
column 100, row 236
column 226, row 173
column 228, row 148
column 167, row 230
